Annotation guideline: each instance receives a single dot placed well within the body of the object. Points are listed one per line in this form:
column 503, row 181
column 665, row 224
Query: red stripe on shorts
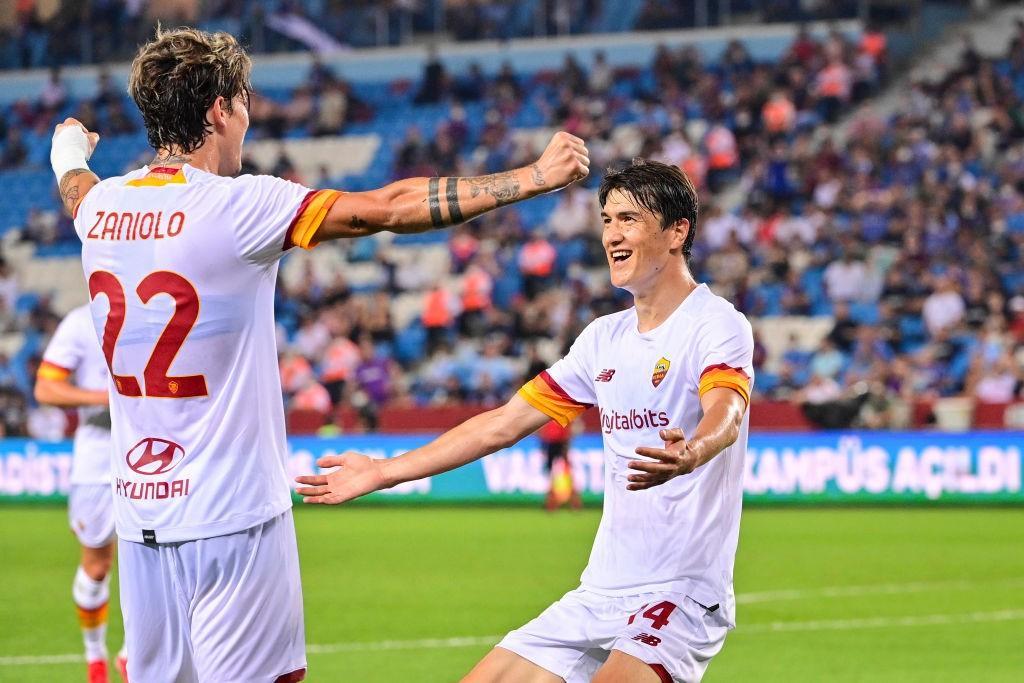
column 662, row 672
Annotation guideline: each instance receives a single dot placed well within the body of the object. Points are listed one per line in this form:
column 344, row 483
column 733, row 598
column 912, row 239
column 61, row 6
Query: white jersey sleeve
column 725, row 350
column 271, row 215
column 67, row 348
column 566, row 389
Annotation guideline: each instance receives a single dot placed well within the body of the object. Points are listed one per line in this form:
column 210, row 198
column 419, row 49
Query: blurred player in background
column 656, row 600
column 181, row 260
column 73, row 374
column 555, row 439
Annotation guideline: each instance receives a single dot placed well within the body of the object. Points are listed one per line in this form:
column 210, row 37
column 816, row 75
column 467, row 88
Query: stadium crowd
column 45, row 33
column 908, row 232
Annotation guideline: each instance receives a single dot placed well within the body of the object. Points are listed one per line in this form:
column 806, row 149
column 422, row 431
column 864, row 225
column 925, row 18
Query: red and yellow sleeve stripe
column 308, row 217
column 48, row 370
column 543, row 393
column 722, row 375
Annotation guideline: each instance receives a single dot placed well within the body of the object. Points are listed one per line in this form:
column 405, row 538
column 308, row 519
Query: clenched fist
column 92, row 138
column 565, row 161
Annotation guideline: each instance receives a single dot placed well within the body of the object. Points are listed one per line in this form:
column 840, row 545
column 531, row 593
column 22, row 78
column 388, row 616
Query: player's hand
column 93, row 138
column 674, row 459
column 565, row 161
column 356, row 476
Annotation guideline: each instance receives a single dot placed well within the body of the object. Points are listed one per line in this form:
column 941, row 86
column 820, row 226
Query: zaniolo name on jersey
column 136, row 225
column 680, row 536
column 181, row 274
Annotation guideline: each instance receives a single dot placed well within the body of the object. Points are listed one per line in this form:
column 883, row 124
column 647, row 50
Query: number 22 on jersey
column 158, row 384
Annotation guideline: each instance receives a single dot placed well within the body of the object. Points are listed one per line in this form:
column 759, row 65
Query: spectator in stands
column 944, row 307
column 722, row 155
column 601, row 75
column 804, row 48
column 436, row 84
column 463, row 246
column 106, row 93
column 15, row 153
column 536, row 263
column 845, row 278
column 55, row 93
column 312, row 337
column 827, row 361
column 118, row 121
column 833, row 84
column 376, row 318
column 285, row 168
column 996, row 382
column 340, row 358
column 331, row 111
column 438, row 316
column 477, row 286
column 575, row 215
column 779, row 114
column 312, row 396
column 374, row 374
column 844, row 328
column 295, row 371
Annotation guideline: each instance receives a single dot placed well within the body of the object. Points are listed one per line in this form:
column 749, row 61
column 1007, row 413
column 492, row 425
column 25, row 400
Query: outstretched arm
column 473, row 439
column 420, row 204
column 71, row 148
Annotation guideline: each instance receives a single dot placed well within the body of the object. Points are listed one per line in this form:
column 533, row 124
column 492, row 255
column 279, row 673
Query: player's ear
column 217, row 114
column 680, row 230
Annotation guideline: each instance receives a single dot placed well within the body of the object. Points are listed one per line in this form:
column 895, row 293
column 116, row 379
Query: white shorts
column 91, row 514
column 226, row 609
column 573, row 637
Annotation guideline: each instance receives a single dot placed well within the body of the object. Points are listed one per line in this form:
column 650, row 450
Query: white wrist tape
column 70, row 150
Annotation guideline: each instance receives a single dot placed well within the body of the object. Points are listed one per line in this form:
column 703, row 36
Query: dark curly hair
column 177, row 76
column 661, row 189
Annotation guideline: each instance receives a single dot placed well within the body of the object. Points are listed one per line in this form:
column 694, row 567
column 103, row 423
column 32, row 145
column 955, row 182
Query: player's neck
column 653, row 307
column 204, row 158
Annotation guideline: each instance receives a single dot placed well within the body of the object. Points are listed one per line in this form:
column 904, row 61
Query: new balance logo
column 605, row 376
column 648, row 639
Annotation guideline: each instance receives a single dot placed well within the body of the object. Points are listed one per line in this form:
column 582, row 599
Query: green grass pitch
column 825, row 594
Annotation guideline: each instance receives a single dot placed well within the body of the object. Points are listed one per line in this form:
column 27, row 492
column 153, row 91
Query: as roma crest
column 660, row 370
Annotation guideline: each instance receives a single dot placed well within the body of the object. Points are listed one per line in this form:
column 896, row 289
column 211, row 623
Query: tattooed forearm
column 536, row 175
column 451, row 191
column 68, row 189
column 504, row 187
column 434, row 202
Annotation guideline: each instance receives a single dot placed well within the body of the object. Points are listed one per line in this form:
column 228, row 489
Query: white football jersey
column 680, row 536
column 73, row 353
column 182, row 272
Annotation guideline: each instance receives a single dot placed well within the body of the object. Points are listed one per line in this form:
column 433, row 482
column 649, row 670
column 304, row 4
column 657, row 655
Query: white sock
column 91, row 598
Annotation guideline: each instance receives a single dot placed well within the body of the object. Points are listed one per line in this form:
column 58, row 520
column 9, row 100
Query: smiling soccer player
column 656, row 600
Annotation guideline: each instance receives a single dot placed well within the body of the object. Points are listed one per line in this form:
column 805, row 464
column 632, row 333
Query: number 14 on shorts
column 658, row 614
